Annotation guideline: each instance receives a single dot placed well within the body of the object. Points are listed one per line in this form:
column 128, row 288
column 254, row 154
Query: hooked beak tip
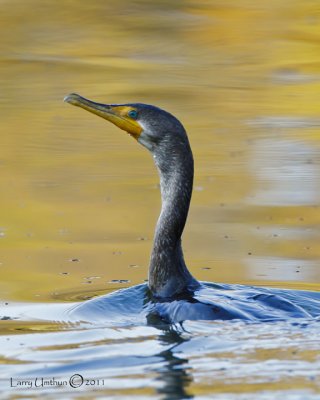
column 72, row 98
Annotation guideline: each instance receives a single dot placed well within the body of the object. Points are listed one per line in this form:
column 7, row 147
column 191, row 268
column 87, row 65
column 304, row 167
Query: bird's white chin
column 145, row 141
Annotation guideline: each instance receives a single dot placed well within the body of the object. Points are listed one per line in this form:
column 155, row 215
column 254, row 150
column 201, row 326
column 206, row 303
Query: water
column 79, row 199
column 126, row 343
column 174, row 362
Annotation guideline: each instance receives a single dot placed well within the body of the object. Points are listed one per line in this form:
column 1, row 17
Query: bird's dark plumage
column 165, row 137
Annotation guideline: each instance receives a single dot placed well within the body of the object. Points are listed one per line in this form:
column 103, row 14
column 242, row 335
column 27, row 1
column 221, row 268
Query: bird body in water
column 175, row 294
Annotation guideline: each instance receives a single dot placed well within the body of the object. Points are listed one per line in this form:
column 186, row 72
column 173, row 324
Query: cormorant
column 177, row 295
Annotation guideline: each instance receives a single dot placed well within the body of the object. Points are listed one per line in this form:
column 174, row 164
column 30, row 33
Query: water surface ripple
column 130, row 343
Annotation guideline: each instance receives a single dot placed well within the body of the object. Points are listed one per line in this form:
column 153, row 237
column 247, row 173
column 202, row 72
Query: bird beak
column 117, row 114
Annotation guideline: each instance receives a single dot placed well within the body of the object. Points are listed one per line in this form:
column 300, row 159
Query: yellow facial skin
column 118, row 115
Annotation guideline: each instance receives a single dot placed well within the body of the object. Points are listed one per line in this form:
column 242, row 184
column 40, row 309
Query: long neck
column 168, row 273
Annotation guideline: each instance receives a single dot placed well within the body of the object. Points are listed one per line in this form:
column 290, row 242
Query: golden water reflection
column 79, row 199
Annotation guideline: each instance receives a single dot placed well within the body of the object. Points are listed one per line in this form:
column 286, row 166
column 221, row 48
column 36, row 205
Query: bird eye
column 133, row 114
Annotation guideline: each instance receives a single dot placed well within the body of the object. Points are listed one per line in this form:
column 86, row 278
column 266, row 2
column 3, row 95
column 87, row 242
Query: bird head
column 149, row 125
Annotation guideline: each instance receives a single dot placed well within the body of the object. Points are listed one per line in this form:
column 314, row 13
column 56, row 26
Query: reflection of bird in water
column 165, row 137
column 177, row 295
